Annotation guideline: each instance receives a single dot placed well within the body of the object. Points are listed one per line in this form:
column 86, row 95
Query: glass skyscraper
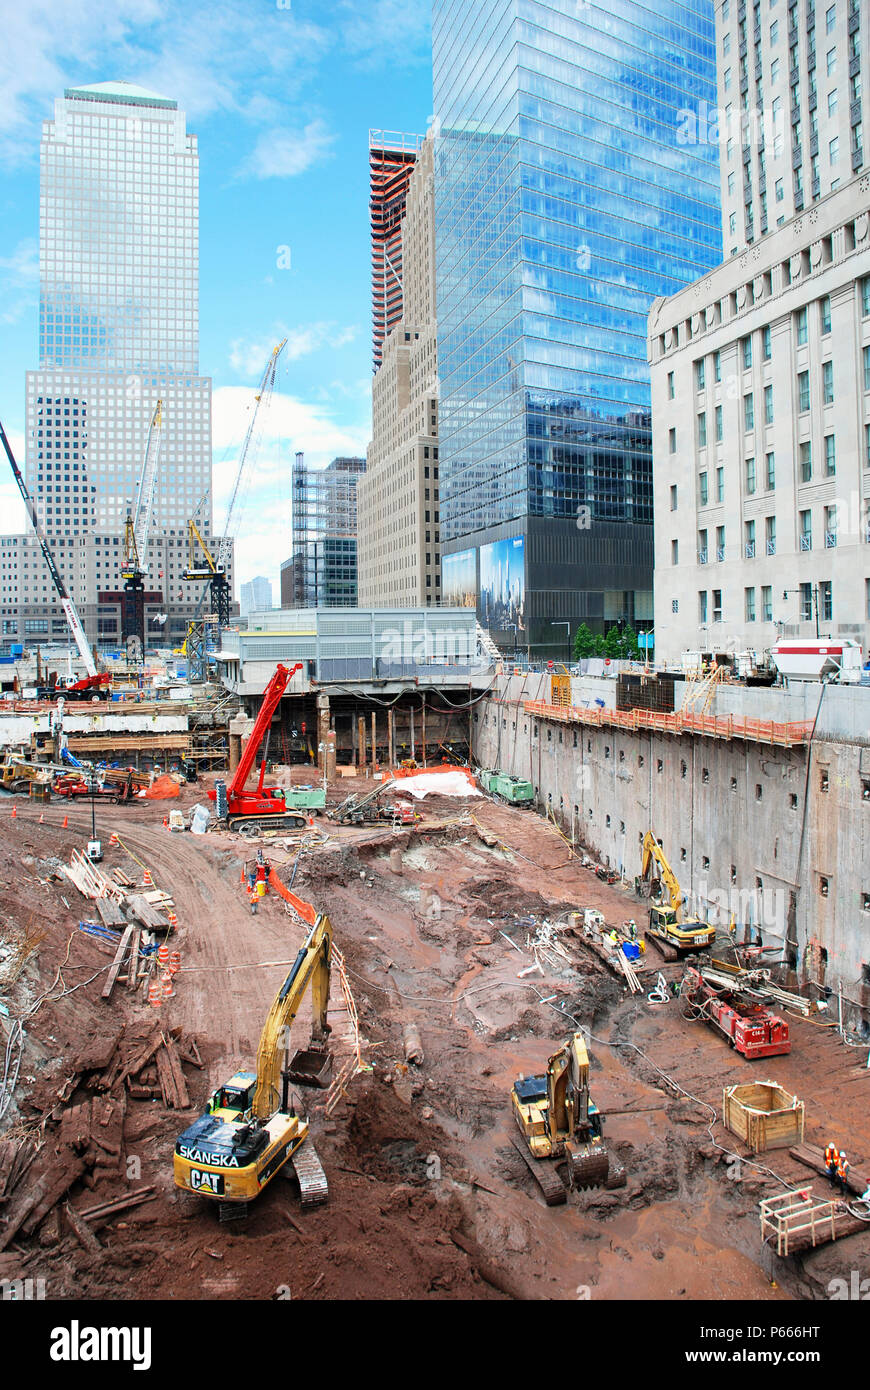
column 565, row 202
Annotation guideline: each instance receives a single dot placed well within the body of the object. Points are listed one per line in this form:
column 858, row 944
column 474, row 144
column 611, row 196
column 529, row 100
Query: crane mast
column 66, row 603
column 136, row 535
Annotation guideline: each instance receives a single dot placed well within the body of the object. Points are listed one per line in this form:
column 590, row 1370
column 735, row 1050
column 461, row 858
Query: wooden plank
column 141, row 1058
column 82, row 1231
column 166, row 1079
column 117, row 963
column 133, row 968
column 110, row 912
column 813, row 1157
column 146, row 914
column 181, row 1092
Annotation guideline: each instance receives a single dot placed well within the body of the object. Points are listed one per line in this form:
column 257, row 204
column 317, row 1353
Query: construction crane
column 137, row 529
column 241, row 809
column 214, row 569
column 66, row 603
column 252, row 1127
column 558, row 1120
column 666, row 921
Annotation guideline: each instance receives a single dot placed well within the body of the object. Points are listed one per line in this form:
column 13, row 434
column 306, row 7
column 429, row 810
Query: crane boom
column 147, row 486
column 66, row 603
column 653, row 850
column 312, row 966
column 271, row 699
column 266, row 386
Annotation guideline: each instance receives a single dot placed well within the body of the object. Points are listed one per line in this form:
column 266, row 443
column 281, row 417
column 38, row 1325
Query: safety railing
column 784, row 733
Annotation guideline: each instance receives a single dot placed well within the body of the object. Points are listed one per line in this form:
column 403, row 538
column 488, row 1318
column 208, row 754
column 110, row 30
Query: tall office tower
column 789, row 122
column 392, row 158
column 564, row 202
column 397, row 496
column 256, row 596
column 761, row 372
column 322, row 570
column 118, row 331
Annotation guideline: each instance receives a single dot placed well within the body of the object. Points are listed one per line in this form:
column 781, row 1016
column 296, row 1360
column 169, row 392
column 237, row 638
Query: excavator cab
column 234, row 1099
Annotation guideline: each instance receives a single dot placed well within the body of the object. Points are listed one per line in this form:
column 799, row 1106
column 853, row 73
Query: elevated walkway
column 729, row 726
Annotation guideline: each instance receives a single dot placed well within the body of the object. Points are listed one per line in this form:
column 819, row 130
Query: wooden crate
column 763, row 1115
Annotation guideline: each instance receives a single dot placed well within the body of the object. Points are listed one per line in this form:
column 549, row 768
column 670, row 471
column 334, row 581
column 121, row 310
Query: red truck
column 750, row 1027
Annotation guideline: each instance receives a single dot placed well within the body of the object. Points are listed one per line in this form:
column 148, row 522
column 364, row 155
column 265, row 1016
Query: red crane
column 239, row 807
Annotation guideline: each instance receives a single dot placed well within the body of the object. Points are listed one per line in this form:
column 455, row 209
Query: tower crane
column 74, row 621
column 137, row 529
column 213, row 568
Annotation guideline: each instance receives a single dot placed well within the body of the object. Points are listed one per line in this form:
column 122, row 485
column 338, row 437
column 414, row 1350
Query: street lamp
column 814, row 591
column 567, row 625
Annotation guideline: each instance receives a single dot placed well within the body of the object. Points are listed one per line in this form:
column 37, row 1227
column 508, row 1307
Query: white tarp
column 199, row 820
column 442, row 783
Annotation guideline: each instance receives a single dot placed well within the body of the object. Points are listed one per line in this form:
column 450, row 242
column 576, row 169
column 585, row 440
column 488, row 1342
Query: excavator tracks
column 545, row 1174
column 313, row 1187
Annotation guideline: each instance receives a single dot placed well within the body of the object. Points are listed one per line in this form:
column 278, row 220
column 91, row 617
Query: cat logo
column 207, row 1182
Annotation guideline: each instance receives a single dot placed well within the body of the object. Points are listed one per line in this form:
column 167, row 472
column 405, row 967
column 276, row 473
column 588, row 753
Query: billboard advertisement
column 503, row 585
column 459, row 579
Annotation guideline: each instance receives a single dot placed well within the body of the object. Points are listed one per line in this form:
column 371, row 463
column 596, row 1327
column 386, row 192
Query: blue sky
column 282, row 97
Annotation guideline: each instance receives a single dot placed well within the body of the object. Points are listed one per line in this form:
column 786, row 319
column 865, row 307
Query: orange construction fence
column 711, row 725
column 305, row 910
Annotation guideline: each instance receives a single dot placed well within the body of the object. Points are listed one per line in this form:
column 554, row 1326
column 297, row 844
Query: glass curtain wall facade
column 323, row 569
column 564, row 203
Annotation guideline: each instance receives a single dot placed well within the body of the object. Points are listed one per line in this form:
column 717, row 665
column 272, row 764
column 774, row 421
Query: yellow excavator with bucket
column 252, row 1128
column 559, row 1121
column 666, row 920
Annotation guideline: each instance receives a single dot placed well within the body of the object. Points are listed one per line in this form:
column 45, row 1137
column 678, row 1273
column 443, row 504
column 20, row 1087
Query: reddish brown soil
column 413, row 1152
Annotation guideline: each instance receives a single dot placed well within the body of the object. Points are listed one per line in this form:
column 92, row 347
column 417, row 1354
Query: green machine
column 514, row 790
column 305, row 798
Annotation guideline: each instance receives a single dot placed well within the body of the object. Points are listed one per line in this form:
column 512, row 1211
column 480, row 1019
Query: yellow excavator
column 558, row 1120
column 666, row 920
column 252, row 1127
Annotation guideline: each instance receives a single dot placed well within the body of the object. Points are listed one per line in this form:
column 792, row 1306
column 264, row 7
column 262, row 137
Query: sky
column 282, row 96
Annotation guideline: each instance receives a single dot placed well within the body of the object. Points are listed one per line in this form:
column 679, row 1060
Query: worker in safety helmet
column 843, row 1175
column 832, row 1158
column 254, row 901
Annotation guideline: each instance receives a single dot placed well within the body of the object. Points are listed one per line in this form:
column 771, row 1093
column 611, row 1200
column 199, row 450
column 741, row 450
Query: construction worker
column 843, row 1175
column 254, row 901
column 832, row 1158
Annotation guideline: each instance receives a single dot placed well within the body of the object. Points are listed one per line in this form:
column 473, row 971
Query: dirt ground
column 412, row 1151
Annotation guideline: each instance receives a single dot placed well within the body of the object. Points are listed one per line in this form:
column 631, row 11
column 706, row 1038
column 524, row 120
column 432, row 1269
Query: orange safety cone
column 173, row 920
column 155, row 995
column 14, row 812
column 174, row 962
column 168, row 991
column 310, row 822
column 42, row 818
column 165, row 822
column 163, row 953
column 113, row 839
column 147, row 880
column 65, row 825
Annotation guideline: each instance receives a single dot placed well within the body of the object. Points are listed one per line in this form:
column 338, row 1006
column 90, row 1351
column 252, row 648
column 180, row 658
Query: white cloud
column 263, row 530
column 12, row 510
column 19, row 280
column 211, row 58
column 393, row 32
column 248, row 356
column 280, row 154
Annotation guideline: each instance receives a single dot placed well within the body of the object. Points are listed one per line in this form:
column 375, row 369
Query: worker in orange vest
column 832, row 1158
column 843, row 1174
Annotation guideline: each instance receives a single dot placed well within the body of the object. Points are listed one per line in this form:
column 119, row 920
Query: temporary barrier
column 174, row 962
column 147, row 880
column 155, row 995
column 163, row 953
column 168, row 991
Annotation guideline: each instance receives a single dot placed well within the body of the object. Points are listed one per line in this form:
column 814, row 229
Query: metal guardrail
column 786, row 734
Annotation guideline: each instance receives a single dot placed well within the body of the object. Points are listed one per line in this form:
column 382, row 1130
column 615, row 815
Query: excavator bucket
column 588, row 1164
column 310, row 1068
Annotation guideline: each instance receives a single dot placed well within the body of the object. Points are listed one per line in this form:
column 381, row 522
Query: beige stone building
column 761, row 439
column 398, row 543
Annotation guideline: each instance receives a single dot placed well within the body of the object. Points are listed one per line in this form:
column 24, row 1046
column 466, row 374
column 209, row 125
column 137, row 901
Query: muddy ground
column 428, row 1198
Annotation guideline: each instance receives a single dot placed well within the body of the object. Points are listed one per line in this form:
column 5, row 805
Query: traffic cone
column 155, row 995
column 42, row 818
column 165, row 822
column 310, row 822
column 168, row 991
column 174, row 962
column 163, row 954
column 14, row 812
column 147, row 880
column 113, row 839
column 173, row 920
column 65, row 825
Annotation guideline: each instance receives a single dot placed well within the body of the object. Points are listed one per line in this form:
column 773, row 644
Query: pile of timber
column 117, row 899
column 84, row 1143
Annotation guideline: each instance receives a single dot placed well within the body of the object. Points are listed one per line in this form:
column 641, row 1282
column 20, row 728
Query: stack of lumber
column 88, row 879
